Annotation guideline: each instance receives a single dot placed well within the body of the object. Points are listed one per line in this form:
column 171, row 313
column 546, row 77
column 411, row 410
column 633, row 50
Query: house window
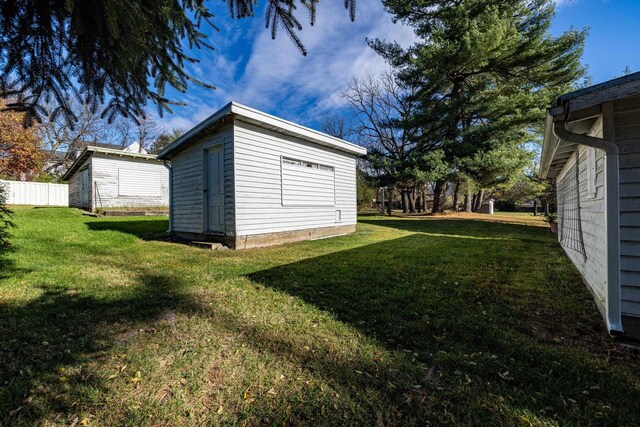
column 306, row 183
column 338, row 216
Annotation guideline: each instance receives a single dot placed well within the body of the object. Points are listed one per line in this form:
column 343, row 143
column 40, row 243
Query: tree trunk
column 382, row 190
column 390, row 201
column 535, row 207
column 412, row 200
column 439, row 193
column 424, row 200
column 468, row 200
column 479, row 198
column 403, row 198
column 419, row 202
column 455, row 196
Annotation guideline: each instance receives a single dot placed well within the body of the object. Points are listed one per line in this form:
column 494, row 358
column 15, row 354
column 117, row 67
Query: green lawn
column 441, row 320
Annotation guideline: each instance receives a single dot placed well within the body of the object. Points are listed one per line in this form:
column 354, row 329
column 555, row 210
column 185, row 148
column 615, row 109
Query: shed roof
column 90, row 150
column 579, row 110
column 264, row 120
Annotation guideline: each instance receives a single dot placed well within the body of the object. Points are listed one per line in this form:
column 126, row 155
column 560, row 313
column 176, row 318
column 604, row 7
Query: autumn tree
column 21, row 154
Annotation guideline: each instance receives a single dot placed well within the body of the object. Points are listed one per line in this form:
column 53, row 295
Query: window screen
column 307, row 184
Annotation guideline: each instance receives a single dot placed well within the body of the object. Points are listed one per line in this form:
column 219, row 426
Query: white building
column 592, row 149
column 250, row 179
column 107, row 178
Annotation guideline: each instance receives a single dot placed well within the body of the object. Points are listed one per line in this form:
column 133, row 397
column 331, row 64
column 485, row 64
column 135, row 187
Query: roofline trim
column 91, row 149
column 251, row 115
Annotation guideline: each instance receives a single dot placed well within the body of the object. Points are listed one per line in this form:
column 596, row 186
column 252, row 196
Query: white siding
column 258, row 183
column 592, row 212
column 74, row 187
column 128, row 182
column 627, row 127
column 36, row 193
column 187, row 203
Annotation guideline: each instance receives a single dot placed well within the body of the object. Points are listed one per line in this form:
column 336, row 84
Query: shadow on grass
column 64, row 328
column 497, row 330
column 152, row 229
column 454, row 226
column 507, row 333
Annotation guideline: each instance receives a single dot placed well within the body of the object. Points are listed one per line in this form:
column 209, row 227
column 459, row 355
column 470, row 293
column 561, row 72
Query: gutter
column 612, row 219
column 168, row 166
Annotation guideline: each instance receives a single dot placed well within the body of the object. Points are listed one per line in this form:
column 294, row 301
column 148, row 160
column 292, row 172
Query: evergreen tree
column 108, row 51
column 484, row 69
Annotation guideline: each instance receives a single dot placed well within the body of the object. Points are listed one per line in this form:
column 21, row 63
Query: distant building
column 108, row 178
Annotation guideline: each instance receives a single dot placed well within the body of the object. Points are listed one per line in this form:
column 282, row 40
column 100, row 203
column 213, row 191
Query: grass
column 436, row 320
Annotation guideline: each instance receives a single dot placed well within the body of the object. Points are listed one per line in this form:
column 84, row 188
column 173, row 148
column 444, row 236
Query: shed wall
column 260, row 207
column 187, row 209
column 74, row 187
column 592, row 215
column 627, row 135
column 128, row 182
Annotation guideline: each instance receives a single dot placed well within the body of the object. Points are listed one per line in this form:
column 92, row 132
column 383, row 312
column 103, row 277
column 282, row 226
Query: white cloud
column 278, row 79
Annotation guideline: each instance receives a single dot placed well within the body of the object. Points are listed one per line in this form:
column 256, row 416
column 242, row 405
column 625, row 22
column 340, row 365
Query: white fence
column 36, row 193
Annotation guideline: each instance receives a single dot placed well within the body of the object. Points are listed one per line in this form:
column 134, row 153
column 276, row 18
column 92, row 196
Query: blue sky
column 271, row 75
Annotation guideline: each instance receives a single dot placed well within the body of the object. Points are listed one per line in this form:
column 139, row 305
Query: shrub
column 5, row 220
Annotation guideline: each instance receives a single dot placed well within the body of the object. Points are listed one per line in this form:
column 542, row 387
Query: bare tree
column 400, row 152
column 146, row 131
column 60, row 140
column 336, row 125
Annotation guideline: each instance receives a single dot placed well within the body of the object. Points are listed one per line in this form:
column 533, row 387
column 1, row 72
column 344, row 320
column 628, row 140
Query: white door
column 84, row 188
column 215, row 189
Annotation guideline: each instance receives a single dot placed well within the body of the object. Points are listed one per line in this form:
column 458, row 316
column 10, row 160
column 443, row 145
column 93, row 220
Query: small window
column 291, row 162
column 338, row 216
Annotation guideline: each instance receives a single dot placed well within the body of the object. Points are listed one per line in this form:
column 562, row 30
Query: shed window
column 136, row 182
column 306, row 183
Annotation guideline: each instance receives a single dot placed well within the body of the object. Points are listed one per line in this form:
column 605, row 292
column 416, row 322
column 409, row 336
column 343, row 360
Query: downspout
column 612, row 220
column 168, row 166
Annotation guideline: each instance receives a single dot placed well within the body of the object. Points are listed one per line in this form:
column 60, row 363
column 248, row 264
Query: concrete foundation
column 269, row 239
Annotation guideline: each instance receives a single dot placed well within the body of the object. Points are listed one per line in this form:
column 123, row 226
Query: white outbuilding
column 103, row 178
column 248, row 179
column 592, row 150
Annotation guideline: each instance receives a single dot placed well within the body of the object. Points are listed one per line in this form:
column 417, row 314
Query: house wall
column 261, row 206
column 187, row 195
column 128, row 182
column 592, row 213
column 627, row 136
column 74, row 187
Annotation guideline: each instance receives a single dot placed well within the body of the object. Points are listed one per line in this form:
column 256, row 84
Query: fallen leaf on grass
column 136, row 378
